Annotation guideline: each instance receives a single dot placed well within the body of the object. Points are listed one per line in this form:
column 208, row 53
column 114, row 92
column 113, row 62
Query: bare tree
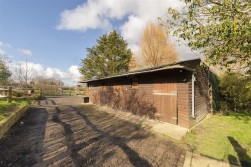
column 24, row 73
column 155, row 47
column 47, row 83
column 133, row 65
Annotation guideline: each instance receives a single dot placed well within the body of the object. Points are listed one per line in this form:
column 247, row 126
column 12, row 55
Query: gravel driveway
column 61, row 132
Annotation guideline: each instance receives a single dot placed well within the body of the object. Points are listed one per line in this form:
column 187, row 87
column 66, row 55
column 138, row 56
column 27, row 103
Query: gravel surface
column 61, row 132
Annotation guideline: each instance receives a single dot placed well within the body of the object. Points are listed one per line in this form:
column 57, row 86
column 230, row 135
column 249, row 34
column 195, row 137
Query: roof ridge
column 151, row 69
column 163, row 65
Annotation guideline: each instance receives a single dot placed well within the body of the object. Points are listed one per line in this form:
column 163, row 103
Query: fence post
column 10, row 95
column 41, row 92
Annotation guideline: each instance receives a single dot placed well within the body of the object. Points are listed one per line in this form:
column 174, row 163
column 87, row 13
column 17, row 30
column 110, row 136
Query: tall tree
column 155, row 47
column 110, row 56
column 220, row 29
column 4, row 73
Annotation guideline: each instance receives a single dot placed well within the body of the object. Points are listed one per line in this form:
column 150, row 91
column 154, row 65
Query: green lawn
column 6, row 108
column 225, row 138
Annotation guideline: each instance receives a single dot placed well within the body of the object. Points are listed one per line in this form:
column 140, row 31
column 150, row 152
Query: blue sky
column 54, row 34
column 31, row 24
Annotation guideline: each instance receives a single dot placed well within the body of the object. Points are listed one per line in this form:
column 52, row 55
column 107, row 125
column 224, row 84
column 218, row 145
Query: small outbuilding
column 177, row 93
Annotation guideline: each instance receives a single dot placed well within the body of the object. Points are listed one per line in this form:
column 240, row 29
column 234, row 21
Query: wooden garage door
column 165, row 101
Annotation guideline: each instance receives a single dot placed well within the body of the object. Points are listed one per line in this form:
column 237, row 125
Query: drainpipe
column 193, row 105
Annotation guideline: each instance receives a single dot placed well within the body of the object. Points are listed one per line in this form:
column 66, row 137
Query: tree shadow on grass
column 244, row 158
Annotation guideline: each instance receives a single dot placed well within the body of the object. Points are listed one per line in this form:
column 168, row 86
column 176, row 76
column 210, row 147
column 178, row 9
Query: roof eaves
column 165, row 67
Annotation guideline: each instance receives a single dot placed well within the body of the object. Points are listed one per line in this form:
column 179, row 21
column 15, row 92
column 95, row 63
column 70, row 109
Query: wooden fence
column 11, row 93
column 6, row 93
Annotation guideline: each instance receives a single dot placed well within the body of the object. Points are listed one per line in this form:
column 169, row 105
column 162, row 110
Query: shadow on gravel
column 73, row 148
column 45, row 100
column 74, row 135
column 133, row 156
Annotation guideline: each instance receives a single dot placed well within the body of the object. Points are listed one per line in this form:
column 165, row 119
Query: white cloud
column 74, row 72
column 55, row 73
column 132, row 29
column 71, row 75
column 83, row 17
column 4, row 44
column 99, row 14
column 134, row 48
column 2, row 52
column 26, row 52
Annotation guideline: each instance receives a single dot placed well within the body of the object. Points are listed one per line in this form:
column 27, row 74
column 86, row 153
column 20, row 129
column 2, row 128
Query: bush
column 18, row 93
column 236, row 91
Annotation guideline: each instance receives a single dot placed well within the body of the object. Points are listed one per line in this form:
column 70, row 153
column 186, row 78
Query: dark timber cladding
column 163, row 92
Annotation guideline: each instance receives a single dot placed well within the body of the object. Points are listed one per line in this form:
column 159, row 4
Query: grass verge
column 7, row 108
column 225, row 138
